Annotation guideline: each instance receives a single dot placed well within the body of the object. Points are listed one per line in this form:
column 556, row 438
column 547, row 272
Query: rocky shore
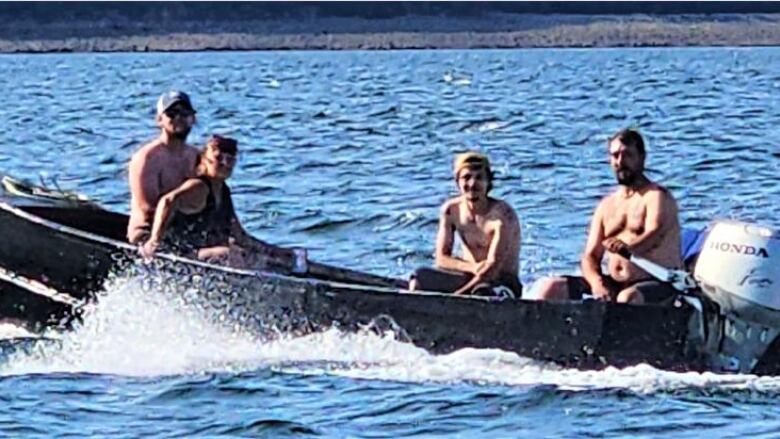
column 489, row 30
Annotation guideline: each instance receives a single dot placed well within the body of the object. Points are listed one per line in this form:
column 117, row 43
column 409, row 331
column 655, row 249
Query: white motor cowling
column 739, row 268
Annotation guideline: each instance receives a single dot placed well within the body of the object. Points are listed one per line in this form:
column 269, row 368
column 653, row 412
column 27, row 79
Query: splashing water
column 134, row 331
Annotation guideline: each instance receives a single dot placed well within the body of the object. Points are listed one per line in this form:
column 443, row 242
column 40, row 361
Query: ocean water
column 349, row 155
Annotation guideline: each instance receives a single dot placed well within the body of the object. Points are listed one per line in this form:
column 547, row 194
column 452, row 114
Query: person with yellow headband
column 489, row 230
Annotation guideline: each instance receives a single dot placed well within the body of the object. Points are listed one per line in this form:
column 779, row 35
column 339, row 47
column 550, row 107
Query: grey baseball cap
column 171, row 98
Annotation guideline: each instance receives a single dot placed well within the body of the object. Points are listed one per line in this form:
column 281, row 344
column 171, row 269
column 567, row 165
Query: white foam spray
column 136, row 332
column 133, row 331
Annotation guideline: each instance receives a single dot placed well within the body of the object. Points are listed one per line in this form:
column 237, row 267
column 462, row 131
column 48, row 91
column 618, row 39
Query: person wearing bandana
column 489, row 231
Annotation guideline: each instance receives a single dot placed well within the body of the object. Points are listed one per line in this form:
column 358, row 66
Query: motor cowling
column 739, row 268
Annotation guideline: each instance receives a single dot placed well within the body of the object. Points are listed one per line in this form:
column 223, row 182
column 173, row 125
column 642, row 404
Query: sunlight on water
column 136, row 332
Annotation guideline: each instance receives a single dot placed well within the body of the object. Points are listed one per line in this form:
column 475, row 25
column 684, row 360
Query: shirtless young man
column 641, row 217
column 489, row 230
column 162, row 164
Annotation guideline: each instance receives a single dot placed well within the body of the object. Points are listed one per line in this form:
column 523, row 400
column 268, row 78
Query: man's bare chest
column 473, row 231
column 626, row 216
column 174, row 171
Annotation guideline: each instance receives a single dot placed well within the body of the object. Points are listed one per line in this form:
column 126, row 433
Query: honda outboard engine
column 739, row 269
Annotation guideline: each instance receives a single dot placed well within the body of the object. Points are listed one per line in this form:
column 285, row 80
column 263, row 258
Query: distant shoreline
column 492, row 30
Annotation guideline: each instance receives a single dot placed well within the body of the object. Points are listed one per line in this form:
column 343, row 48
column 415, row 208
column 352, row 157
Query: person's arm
column 445, row 239
column 243, row 239
column 594, row 252
column 502, row 229
column 660, row 214
column 271, row 254
column 142, row 177
column 192, row 192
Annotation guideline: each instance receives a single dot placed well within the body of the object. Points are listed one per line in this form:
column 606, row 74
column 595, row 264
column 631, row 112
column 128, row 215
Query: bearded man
column 162, row 164
column 640, row 217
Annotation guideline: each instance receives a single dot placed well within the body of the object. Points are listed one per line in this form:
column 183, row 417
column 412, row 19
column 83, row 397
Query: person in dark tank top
column 197, row 219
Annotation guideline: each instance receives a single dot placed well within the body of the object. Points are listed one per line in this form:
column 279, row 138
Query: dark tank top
column 207, row 228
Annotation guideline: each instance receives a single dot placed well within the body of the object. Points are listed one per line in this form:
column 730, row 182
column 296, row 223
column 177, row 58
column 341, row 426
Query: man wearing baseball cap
column 489, row 231
column 162, row 164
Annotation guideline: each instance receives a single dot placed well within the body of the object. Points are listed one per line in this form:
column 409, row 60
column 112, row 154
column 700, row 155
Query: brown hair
column 629, row 137
column 222, row 144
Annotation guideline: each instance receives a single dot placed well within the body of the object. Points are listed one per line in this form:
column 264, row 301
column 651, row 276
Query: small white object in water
column 449, row 77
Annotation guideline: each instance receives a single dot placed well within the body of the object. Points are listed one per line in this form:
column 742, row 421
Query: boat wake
column 132, row 331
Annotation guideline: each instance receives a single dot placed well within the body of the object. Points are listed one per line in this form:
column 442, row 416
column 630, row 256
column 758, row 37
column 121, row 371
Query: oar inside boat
column 681, row 280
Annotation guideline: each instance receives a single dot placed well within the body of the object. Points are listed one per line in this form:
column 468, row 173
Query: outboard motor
column 739, row 269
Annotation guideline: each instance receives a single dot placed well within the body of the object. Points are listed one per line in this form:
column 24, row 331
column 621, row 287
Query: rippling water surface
column 349, row 155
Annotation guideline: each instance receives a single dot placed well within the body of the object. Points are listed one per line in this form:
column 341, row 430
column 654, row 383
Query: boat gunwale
column 124, row 246
column 38, row 288
column 261, row 274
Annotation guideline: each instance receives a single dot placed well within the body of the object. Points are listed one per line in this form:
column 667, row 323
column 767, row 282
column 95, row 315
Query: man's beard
column 473, row 196
column 181, row 135
column 626, row 177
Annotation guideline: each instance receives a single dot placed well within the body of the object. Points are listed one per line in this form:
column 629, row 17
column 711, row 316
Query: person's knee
column 431, row 279
column 553, row 288
column 223, row 255
column 630, row 295
column 423, row 273
column 414, row 279
column 237, row 259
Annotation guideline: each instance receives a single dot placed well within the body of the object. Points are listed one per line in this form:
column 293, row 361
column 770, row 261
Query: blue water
column 349, row 155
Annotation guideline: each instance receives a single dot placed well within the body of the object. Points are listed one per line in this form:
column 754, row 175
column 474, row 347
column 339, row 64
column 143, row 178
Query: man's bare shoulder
column 191, row 150
column 190, row 153
column 147, row 150
column 657, row 190
column 608, row 202
column 503, row 211
column 450, row 207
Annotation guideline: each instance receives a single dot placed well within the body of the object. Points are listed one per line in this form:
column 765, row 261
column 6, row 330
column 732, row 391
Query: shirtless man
column 489, row 230
column 640, row 217
column 162, row 164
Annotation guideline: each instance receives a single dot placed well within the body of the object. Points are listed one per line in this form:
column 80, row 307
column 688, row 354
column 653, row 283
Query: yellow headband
column 471, row 159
